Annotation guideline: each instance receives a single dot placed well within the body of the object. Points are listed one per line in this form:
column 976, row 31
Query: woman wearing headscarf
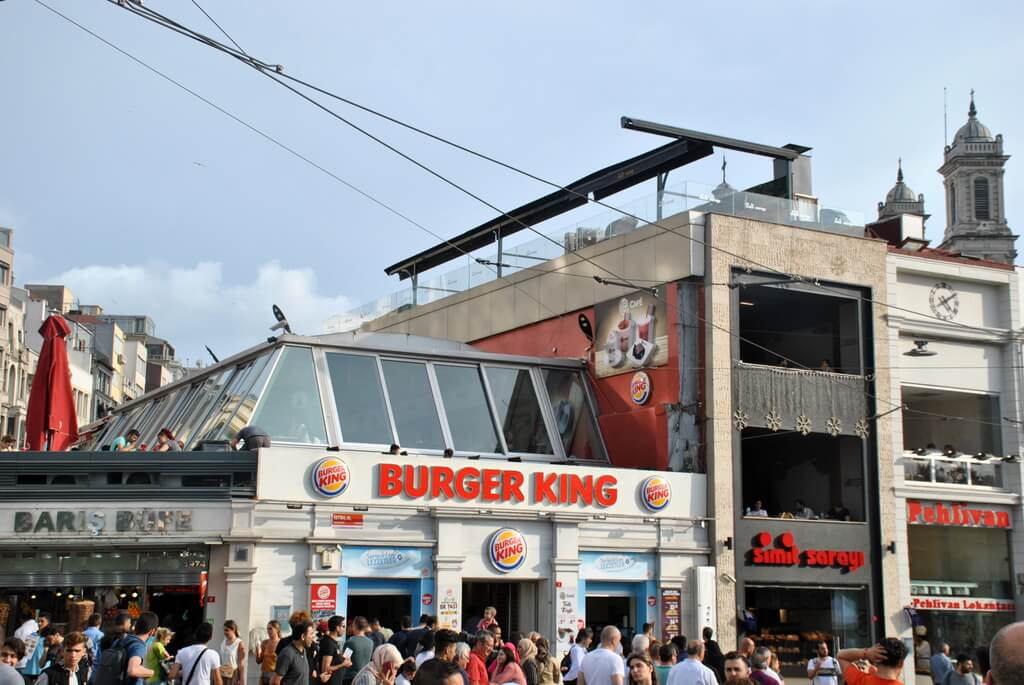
column 506, row 669
column 528, row 660
column 382, row 669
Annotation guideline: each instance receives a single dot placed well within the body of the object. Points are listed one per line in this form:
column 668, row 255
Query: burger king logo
column 507, row 550
column 331, row 477
column 655, row 493
column 640, row 387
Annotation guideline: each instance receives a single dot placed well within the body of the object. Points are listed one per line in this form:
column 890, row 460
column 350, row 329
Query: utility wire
column 214, row 21
column 264, row 68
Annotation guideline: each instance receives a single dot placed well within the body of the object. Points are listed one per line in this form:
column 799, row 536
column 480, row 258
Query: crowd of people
column 362, row 652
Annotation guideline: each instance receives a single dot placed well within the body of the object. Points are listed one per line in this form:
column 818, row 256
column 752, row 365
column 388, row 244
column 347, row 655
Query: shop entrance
column 386, row 608
column 612, row 609
column 516, row 604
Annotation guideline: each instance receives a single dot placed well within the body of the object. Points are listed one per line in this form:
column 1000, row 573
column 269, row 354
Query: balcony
column 99, row 476
column 980, row 470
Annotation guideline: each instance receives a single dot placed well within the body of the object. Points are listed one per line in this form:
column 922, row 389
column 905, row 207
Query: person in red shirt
column 483, row 645
column 885, row 663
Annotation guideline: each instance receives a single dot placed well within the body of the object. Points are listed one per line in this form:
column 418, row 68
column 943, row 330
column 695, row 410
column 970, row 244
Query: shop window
column 573, row 419
column 792, row 620
column 955, row 561
column 519, row 411
column 783, row 326
column 465, row 405
column 412, row 404
column 949, row 423
column 359, row 398
column 823, row 473
column 290, row 408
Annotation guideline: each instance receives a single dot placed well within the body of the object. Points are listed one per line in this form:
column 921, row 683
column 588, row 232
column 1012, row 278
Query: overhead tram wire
column 260, row 65
column 263, row 68
column 281, row 145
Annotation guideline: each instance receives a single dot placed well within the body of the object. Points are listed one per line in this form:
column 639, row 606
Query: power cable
column 263, row 67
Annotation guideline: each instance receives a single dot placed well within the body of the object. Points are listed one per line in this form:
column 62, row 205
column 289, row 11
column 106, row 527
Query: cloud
column 194, row 306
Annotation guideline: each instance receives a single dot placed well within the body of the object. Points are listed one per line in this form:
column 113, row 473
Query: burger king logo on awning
column 655, row 493
column 331, row 477
column 507, row 549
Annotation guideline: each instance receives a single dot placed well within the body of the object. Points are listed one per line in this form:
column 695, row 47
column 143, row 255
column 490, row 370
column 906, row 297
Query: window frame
column 319, row 395
column 590, row 404
column 434, row 392
column 368, row 446
column 491, row 409
column 557, row 451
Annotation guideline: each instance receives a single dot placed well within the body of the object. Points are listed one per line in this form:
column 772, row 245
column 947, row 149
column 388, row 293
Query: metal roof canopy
column 688, row 147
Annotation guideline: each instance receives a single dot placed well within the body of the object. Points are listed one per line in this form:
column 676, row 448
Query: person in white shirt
column 757, row 510
column 691, row 670
column 803, row 511
column 198, row 664
column 576, row 654
column 823, row 669
column 604, row 666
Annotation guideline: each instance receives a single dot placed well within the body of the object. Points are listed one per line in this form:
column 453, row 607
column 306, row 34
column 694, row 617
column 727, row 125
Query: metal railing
column 481, row 267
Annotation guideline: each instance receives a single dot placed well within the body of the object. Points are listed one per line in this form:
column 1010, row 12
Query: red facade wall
column 636, row 436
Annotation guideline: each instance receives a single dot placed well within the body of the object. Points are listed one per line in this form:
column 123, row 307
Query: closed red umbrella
column 51, row 423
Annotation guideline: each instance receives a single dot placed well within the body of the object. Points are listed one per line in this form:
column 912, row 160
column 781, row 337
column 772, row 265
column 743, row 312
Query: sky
column 143, row 199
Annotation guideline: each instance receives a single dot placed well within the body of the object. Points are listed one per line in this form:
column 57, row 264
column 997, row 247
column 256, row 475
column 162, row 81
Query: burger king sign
column 507, row 550
column 655, row 493
column 331, row 477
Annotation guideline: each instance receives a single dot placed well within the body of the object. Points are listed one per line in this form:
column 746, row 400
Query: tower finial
column 973, row 111
column 899, row 170
column 723, row 168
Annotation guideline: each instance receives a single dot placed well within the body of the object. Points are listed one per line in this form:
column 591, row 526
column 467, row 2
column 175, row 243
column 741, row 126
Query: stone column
column 449, row 560
column 564, row 588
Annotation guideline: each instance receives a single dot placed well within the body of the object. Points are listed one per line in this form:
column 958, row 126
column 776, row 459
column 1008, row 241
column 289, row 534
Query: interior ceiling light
column 920, row 350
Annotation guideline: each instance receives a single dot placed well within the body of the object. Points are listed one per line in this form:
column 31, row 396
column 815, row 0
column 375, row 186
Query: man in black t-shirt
column 332, row 660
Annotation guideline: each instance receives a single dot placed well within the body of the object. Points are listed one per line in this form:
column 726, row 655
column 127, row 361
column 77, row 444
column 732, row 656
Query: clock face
column 944, row 301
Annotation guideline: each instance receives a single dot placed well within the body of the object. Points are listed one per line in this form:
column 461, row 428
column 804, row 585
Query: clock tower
column 973, row 170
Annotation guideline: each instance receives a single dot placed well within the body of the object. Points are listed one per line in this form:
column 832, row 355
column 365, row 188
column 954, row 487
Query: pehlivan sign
column 146, row 521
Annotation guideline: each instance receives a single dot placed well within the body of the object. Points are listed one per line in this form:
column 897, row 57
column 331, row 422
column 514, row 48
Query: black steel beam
column 715, row 140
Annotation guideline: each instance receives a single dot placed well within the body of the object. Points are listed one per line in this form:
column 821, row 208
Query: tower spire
column 899, row 170
column 723, row 168
column 973, row 111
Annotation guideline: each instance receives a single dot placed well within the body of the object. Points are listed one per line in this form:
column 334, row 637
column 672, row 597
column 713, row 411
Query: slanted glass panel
column 164, row 405
column 185, row 396
column 248, row 398
column 412, row 404
column 192, row 416
column 128, row 423
column 465, row 405
column 232, row 397
column 359, row 398
column 573, row 419
column 290, row 408
column 146, row 424
column 518, row 410
column 114, row 429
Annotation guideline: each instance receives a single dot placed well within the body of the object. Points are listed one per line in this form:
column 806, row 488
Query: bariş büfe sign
column 786, row 553
column 470, row 484
column 962, row 604
column 955, row 515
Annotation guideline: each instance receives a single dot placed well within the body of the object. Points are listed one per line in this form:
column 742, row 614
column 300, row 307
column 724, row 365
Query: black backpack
column 112, row 668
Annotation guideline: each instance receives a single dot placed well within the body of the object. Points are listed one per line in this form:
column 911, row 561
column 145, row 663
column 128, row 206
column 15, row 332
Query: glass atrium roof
column 365, row 392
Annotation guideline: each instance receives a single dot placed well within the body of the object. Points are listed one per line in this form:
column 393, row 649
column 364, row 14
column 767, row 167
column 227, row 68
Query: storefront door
column 386, row 583
column 388, row 602
column 515, row 602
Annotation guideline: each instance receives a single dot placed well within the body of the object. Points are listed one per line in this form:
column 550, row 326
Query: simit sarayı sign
column 937, row 514
column 786, row 553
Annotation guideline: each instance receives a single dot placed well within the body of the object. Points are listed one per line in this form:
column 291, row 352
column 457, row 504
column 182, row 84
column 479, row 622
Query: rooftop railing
column 480, row 268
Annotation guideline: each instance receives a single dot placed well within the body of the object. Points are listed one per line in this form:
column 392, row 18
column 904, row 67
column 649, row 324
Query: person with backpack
column 122, row 663
column 73, row 668
column 573, row 660
column 198, row 664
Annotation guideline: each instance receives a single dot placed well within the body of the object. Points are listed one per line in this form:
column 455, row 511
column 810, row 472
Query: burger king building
column 526, row 514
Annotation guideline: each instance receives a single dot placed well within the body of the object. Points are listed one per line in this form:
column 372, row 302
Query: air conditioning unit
column 120, row 359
